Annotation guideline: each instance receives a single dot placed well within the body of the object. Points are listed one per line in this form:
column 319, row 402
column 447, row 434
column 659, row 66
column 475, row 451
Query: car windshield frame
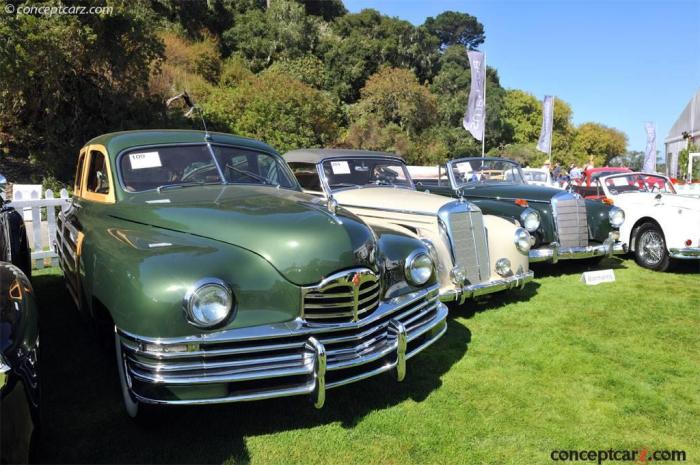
column 456, row 186
column 394, row 161
column 606, row 188
column 222, row 181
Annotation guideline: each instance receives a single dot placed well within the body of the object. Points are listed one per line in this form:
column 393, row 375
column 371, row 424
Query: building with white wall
column 686, row 130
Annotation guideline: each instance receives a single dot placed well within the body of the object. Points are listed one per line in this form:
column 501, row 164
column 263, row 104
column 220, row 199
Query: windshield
column 181, row 165
column 472, row 171
column 537, row 176
column 638, row 183
column 348, row 173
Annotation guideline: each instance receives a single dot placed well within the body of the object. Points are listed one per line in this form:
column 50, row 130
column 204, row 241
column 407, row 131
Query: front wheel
column 650, row 248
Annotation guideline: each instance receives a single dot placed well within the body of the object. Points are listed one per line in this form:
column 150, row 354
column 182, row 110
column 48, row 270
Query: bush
column 275, row 108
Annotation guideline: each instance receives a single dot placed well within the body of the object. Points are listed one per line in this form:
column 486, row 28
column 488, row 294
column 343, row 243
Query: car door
column 93, row 183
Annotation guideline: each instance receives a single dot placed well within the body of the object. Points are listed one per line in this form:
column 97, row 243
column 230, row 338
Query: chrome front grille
column 257, row 363
column 346, row 296
column 572, row 222
column 470, row 245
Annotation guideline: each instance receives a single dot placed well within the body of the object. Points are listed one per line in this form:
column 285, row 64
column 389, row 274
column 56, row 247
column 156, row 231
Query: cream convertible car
column 477, row 254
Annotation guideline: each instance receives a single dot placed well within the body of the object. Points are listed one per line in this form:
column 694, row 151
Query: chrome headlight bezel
column 197, row 317
column 616, row 216
column 419, row 268
column 522, row 241
column 530, row 219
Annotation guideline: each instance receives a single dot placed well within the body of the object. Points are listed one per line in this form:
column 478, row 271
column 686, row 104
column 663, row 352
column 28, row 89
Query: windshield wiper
column 252, row 175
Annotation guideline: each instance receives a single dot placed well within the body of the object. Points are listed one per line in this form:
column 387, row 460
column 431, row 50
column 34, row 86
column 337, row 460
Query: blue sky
column 619, row 63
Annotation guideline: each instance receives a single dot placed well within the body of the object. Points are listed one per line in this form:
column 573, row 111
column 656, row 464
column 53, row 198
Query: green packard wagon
column 223, row 282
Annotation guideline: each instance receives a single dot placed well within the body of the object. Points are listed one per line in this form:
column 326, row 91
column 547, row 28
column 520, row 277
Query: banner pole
column 483, row 128
column 551, row 134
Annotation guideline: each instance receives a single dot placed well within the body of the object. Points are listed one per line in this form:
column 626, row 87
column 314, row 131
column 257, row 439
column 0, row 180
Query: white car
column 477, row 254
column 660, row 225
column 539, row 177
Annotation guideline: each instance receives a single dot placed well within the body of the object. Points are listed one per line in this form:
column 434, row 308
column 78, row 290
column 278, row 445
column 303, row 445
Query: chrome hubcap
column 651, row 246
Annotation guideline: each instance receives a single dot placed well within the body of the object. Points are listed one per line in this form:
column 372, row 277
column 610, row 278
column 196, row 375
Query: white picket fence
column 43, row 244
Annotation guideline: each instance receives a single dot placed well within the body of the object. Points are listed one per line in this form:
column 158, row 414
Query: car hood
column 292, row 231
column 512, row 191
column 389, row 198
column 649, row 198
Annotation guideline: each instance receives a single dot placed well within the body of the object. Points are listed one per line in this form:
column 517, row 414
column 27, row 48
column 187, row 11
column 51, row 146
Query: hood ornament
column 332, row 205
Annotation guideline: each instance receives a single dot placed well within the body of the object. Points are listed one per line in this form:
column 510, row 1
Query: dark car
column 563, row 225
column 14, row 247
column 19, row 343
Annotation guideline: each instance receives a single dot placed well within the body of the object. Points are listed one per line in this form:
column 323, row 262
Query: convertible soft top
column 316, row 155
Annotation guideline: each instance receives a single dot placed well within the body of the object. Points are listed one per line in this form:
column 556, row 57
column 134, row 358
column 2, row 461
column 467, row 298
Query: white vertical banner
column 475, row 117
column 650, row 152
column 544, row 143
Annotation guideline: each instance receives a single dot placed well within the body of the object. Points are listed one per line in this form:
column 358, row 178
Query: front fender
column 598, row 220
column 140, row 275
column 393, row 248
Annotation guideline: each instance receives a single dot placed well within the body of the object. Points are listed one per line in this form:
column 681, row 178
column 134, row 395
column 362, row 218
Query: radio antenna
column 191, row 109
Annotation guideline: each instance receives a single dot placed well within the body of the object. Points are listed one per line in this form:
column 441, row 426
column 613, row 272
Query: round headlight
column 419, row 268
column 503, row 267
column 208, row 303
column 530, row 219
column 522, row 240
column 616, row 216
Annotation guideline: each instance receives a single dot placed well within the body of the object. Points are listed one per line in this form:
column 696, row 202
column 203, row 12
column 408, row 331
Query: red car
column 588, row 188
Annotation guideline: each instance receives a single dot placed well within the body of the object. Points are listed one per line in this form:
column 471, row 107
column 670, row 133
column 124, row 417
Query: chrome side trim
column 687, row 253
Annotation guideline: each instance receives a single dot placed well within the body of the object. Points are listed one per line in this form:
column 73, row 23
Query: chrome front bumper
column 554, row 252
column 497, row 285
column 284, row 359
column 687, row 253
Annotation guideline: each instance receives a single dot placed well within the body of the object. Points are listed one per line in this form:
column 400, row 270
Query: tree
column 67, row 78
column 283, row 31
column 525, row 154
column 358, row 45
column 452, row 86
column 394, row 95
column 522, row 114
column 327, row 9
column 599, row 143
column 275, row 108
column 454, row 28
column 632, row 159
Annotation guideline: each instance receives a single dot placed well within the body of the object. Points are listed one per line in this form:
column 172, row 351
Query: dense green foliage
column 292, row 73
column 557, row 365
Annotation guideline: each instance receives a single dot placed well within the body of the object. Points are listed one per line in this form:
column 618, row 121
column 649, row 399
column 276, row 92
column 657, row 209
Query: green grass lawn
column 557, row 365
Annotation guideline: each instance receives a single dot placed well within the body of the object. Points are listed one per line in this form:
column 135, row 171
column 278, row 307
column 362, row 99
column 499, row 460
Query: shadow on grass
column 495, row 301
column 84, row 421
column 685, row 267
column 566, row 267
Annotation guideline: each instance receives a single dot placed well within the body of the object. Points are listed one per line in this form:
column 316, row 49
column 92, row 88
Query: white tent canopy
column 688, row 122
